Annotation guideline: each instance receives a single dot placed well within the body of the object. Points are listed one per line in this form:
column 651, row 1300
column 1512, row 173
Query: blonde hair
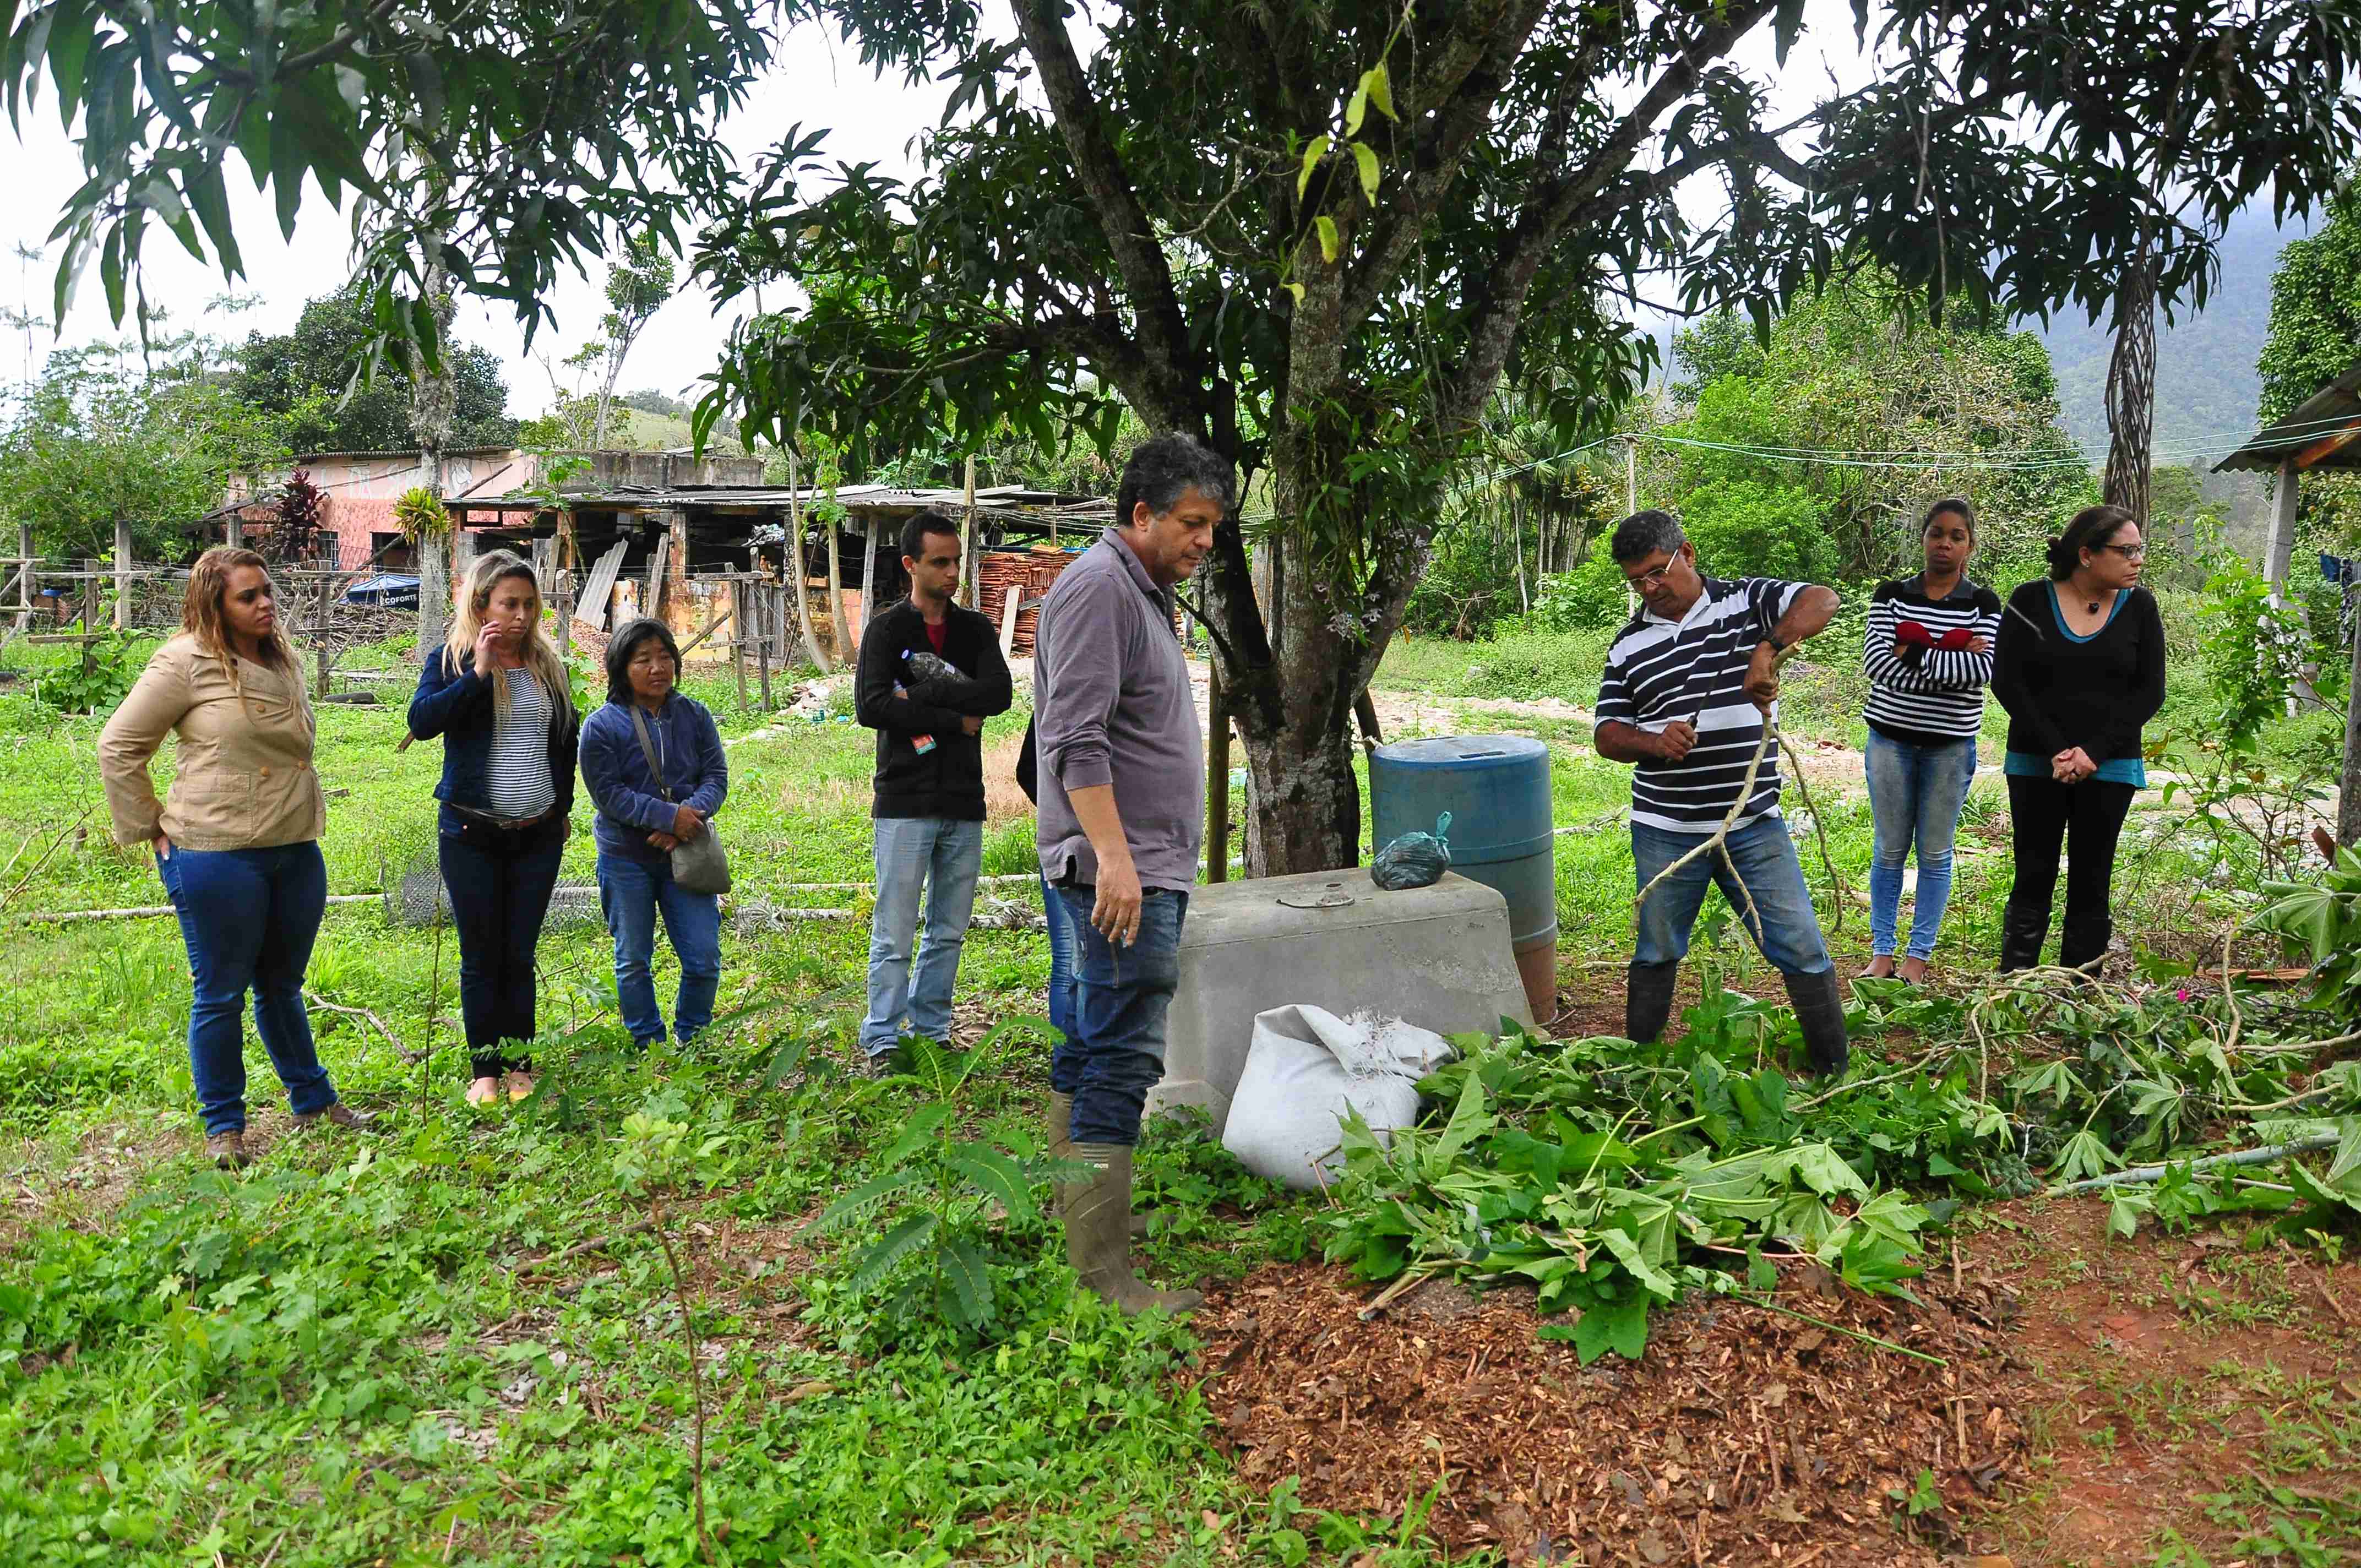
column 468, row 623
column 202, row 616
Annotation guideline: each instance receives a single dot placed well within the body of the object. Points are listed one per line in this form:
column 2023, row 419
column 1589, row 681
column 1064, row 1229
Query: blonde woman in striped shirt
column 1929, row 656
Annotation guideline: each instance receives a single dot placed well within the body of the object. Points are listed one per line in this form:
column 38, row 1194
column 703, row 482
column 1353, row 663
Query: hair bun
column 2061, row 560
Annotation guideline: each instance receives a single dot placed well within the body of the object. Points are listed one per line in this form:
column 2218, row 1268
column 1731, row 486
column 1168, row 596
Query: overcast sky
column 820, row 81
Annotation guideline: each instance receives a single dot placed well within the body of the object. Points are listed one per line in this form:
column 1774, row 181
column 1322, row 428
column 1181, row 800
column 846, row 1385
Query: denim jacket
column 615, row 772
column 457, row 705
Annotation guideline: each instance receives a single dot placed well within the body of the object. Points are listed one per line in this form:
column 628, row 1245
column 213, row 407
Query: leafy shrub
column 92, row 681
column 1524, row 662
column 1594, row 594
column 1745, row 528
column 2255, row 650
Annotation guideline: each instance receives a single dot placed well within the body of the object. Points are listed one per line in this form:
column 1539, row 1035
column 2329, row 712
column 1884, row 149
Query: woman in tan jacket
column 238, row 839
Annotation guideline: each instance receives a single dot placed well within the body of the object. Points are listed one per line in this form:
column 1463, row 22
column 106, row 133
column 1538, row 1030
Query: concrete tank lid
column 1220, row 912
column 1463, row 752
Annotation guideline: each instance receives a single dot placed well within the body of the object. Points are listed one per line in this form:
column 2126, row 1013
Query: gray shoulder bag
column 698, row 865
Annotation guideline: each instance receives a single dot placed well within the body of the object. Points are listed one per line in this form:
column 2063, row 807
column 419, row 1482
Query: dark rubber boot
column 2021, row 932
column 2084, row 940
column 1818, row 1001
column 1648, row 1000
column 1058, row 1143
column 1098, row 1236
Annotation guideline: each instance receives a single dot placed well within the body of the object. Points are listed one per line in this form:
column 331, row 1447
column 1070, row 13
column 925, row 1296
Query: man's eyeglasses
column 2128, row 551
column 1649, row 582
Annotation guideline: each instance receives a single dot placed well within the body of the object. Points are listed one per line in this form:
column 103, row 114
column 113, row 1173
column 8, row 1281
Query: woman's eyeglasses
column 2128, row 551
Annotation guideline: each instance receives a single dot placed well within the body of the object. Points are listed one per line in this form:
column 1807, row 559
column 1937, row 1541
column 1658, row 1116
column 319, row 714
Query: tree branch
column 1175, row 396
column 1555, row 207
column 1435, row 158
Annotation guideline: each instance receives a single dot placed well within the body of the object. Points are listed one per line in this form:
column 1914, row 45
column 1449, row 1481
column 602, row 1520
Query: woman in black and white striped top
column 496, row 693
column 1928, row 654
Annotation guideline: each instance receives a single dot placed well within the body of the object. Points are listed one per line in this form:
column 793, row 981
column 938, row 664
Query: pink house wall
column 363, row 486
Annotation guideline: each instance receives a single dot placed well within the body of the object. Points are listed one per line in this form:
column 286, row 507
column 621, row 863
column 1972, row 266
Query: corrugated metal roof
column 2323, row 432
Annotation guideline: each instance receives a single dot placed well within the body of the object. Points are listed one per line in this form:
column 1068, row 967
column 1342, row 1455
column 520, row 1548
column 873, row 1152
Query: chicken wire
column 419, row 898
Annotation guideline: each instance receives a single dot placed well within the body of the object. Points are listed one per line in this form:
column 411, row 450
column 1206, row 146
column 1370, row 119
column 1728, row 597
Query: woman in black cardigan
column 2079, row 667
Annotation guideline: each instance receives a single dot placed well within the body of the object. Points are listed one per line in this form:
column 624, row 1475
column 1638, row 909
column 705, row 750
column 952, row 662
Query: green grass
column 343, row 1356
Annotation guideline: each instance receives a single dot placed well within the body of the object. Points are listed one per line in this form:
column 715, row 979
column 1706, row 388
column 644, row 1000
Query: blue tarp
column 389, row 590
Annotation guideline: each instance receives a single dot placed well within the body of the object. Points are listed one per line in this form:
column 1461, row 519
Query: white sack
column 1306, row 1070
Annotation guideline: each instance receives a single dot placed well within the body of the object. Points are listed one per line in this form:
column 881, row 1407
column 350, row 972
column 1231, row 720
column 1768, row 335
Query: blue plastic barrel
column 1497, row 788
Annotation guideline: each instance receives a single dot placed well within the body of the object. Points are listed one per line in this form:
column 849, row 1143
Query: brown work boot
column 337, row 1116
column 1098, row 1236
column 227, row 1150
column 1058, row 1143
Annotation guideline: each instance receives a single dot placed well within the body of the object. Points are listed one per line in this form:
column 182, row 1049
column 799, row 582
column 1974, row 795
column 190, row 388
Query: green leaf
column 1469, row 1121
column 1619, row 1326
column 968, row 1277
column 993, row 1174
column 1367, row 160
column 1379, row 87
column 862, row 1196
column 1313, row 153
column 1296, row 290
column 1357, row 107
column 2085, row 1154
column 2124, row 1213
column 915, row 1136
column 897, row 1243
column 1627, row 1253
column 1329, row 242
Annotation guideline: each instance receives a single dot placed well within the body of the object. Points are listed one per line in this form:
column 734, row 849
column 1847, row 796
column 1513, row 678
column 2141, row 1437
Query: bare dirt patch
column 84, row 1182
column 2159, row 1371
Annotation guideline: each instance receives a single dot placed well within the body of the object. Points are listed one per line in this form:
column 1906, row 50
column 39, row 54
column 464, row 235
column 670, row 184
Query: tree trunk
column 2130, row 390
column 797, row 568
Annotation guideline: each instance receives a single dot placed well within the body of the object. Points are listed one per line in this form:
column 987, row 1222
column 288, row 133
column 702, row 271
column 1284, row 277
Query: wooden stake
column 967, row 540
column 1217, row 775
column 737, row 639
column 762, row 640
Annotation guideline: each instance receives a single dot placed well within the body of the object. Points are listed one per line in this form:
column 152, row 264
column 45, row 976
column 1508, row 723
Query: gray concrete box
column 1438, row 956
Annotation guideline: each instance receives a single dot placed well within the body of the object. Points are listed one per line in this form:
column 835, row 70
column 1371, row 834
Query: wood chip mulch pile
column 1743, row 1436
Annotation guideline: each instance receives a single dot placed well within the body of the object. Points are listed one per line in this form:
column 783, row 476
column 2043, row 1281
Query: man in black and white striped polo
column 1690, row 682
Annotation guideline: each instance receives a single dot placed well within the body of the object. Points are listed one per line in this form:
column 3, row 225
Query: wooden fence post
column 761, row 607
column 740, row 609
column 122, row 572
column 1217, row 777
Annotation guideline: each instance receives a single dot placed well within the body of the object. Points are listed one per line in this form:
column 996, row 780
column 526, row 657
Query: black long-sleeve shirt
column 945, row 779
column 2093, row 692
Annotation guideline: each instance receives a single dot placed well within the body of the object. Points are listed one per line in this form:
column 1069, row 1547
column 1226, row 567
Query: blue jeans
column 631, row 893
column 1114, row 1053
column 500, row 881
column 941, row 857
column 1061, row 959
column 1762, row 853
column 1915, row 794
column 249, row 917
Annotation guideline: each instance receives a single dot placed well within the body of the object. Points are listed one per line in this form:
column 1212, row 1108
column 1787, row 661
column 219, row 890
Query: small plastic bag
column 1415, row 859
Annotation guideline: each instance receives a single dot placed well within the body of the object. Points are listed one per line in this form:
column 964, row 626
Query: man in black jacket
column 930, row 674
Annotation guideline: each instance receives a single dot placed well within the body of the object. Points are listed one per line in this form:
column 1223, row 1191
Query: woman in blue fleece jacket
column 642, row 816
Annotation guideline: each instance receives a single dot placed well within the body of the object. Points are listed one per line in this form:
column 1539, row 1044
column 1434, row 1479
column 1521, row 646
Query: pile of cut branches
column 1618, row 1178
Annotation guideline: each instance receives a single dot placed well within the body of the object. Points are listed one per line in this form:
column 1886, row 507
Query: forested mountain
column 2206, row 385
